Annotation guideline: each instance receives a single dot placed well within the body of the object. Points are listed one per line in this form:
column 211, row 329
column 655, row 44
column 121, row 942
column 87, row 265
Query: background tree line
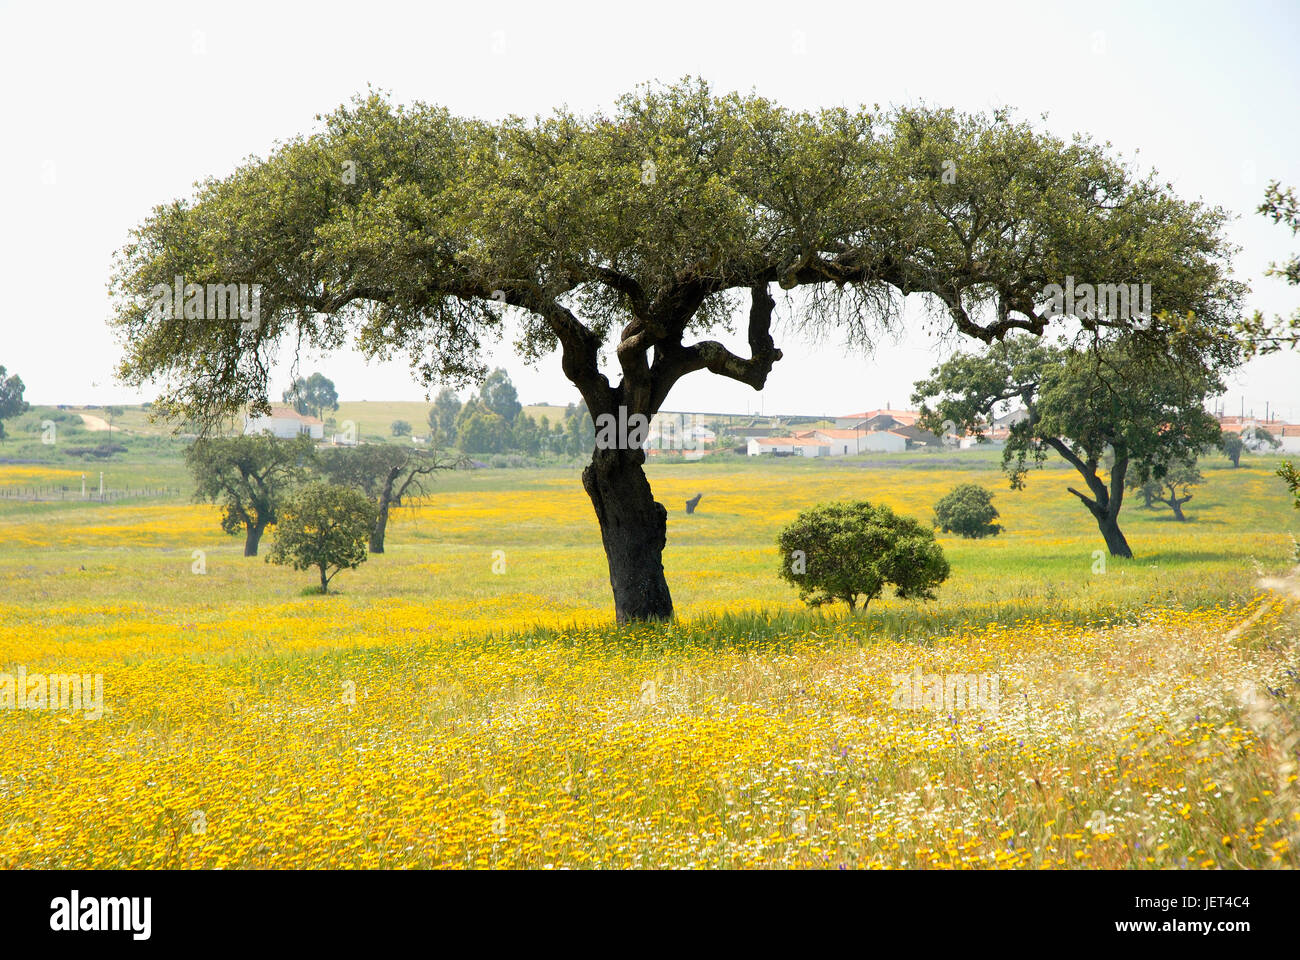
column 493, row 421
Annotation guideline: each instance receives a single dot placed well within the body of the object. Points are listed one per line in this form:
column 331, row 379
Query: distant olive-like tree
column 852, row 551
column 384, row 474
column 633, row 236
column 1172, row 487
column 400, row 428
column 11, row 398
column 325, row 526
column 249, row 477
column 1138, row 405
column 1232, row 446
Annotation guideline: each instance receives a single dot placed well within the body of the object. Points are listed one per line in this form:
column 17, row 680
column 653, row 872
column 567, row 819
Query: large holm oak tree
column 627, row 241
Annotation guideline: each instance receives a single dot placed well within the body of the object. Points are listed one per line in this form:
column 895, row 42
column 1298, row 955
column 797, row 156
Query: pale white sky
column 110, row 109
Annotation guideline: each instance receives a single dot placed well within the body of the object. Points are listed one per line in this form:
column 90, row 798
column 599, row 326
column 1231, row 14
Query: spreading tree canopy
column 1115, row 399
column 625, row 241
column 1173, row 488
column 384, row 473
column 325, row 526
column 249, row 477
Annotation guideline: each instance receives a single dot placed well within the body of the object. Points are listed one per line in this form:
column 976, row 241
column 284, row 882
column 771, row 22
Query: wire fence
column 42, row 494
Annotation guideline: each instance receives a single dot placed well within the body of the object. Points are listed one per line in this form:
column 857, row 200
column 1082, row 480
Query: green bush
column 968, row 510
column 843, row 551
column 326, row 526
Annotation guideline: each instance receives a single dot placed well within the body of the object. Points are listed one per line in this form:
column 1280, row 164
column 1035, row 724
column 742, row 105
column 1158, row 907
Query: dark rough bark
column 1176, row 504
column 1104, row 504
column 252, row 537
column 391, row 492
column 1114, row 537
column 634, row 530
column 633, row 527
column 324, row 580
column 381, row 526
column 381, row 516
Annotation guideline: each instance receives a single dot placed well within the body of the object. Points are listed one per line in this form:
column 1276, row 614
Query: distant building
column 994, row 439
column 787, row 446
column 842, row 443
column 286, row 423
column 870, row 420
column 1009, row 420
column 1287, row 434
column 918, row 439
column 883, row 441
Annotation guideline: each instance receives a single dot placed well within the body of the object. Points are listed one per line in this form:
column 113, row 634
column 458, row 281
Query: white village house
column 829, row 443
column 286, row 423
column 841, row 442
column 1286, row 435
column 844, row 443
column 883, row 441
column 789, row 446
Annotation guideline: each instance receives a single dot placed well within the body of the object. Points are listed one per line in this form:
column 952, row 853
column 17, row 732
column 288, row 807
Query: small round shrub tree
column 326, row 526
column 843, row 551
column 968, row 510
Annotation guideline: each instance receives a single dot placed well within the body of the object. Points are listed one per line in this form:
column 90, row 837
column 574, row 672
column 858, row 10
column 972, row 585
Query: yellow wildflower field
column 464, row 700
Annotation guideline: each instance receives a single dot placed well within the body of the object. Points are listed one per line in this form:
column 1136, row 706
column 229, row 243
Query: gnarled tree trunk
column 253, row 536
column 381, row 516
column 634, row 530
column 1113, row 535
column 381, row 525
column 1104, row 504
column 633, row 527
column 1176, row 504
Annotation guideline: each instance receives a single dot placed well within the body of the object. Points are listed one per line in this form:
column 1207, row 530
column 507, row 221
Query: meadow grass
column 435, row 713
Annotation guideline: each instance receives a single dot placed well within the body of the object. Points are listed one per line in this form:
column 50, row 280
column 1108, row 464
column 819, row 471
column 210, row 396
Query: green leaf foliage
column 967, row 511
column 851, row 551
column 325, row 526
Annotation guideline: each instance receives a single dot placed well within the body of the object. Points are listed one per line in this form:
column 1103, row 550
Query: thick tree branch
column 1090, row 503
column 672, row 362
column 1086, row 471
